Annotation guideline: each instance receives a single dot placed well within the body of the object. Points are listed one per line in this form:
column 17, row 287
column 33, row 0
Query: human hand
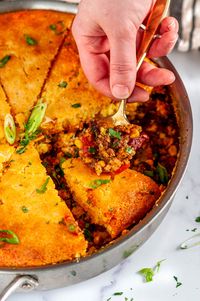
column 107, row 35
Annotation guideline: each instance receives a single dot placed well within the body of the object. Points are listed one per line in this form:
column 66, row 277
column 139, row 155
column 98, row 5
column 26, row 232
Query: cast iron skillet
column 63, row 274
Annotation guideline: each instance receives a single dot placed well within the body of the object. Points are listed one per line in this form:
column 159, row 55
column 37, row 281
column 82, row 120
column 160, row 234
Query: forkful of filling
column 107, row 149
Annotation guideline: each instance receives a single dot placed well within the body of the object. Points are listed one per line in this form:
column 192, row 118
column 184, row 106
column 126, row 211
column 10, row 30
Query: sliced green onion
column 30, row 41
column 12, row 240
column 96, row 183
column 149, row 173
column 4, row 60
column 9, row 129
column 114, row 134
column 36, row 118
column 43, row 188
column 147, row 273
column 162, row 174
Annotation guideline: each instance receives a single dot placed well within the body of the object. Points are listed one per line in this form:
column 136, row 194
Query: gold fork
column 158, row 12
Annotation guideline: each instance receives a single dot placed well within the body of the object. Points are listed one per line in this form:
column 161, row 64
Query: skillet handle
column 26, row 283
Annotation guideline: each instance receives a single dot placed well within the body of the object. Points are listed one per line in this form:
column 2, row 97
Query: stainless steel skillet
column 67, row 273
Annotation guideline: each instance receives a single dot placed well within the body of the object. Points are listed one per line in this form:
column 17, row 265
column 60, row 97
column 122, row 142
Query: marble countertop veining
column 184, row 264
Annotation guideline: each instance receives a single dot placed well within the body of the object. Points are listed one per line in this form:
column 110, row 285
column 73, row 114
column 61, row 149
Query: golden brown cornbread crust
column 26, row 71
column 38, row 71
column 44, row 230
column 124, row 200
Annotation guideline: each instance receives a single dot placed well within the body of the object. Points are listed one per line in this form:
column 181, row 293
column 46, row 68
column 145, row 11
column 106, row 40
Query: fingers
column 169, row 35
column 151, row 76
column 122, row 63
column 97, row 71
column 94, row 61
column 139, row 95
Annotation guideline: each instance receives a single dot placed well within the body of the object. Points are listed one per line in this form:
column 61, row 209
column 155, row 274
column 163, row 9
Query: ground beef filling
column 108, row 150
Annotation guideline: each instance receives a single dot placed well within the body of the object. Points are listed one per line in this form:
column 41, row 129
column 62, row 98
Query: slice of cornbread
column 29, row 43
column 113, row 203
column 31, row 208
column 71, row 99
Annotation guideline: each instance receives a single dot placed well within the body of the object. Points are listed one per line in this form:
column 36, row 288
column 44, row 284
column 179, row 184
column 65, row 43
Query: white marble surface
column 163, row 244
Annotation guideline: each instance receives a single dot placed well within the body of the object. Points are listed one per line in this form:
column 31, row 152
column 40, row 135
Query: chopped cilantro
column 62, row 84
column 25, row 141
column 194, row 230
column 4, row 60
column 92, row 150
column 114, row 133
column 87, row 234
column 129, row 150
column 68, row 155
column 118, row 294
column 24, row 209
column 43, row 188
column 197, row 219
column 62, row 160
column 76, row 105
column 97, row 183
column 53, row 27
column 177, row 282
column 30, row 41
column 57, row 28
column 73, row 273
column 45, row 164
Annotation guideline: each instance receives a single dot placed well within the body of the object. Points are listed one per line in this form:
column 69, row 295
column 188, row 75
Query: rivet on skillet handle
column 26, row 283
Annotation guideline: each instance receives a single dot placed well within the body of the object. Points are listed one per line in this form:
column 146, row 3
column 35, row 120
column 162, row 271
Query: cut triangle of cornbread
column 71, row 99
column 31, row 208
column 29, row 43
column 114, row 203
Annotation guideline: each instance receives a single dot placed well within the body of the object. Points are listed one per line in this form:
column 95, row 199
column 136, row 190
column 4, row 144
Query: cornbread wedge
column 71, row 99
column 29, row 43
column 113, row 203
column 31, row 208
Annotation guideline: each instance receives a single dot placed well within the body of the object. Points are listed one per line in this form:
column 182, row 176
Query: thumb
column 122, row 63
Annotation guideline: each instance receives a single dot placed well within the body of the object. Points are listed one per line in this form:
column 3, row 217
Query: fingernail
column 171, row 25
column 120, row 91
